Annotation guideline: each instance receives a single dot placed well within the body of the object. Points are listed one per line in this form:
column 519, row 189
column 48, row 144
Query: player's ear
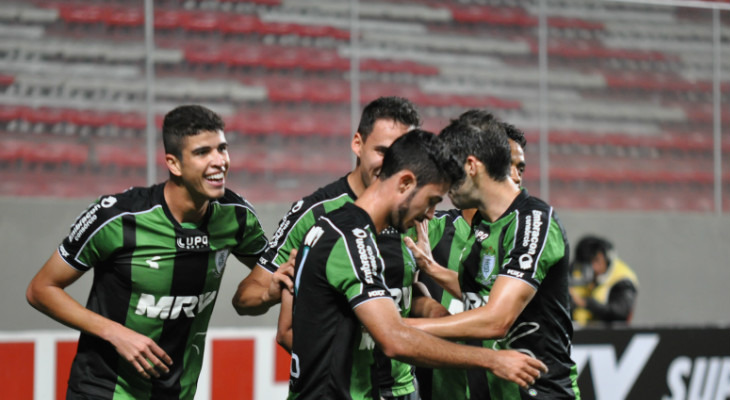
column 406, row 181
column 173, row 164
column 471, row 166
column 357, row 143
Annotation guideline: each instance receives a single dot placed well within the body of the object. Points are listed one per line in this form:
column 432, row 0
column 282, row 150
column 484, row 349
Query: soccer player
column 449, row 232
column 342, row 306
column 519, row 263
column 158, row 255
column 382, row 122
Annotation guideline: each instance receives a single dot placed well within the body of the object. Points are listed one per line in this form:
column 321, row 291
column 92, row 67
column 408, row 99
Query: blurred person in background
column 603, row 287
column 158, row 255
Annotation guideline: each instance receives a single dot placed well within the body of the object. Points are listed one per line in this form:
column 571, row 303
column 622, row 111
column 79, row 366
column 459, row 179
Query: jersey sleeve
column 253, row 242
column 537, row 245
column 355, row 269
column 288, row 235
column 94, row 236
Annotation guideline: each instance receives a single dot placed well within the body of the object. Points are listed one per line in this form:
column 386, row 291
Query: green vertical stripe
column 147, row 279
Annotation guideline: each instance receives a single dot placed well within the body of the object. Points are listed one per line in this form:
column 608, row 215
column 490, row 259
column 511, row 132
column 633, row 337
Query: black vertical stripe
column 190, row 270
column 241, row 216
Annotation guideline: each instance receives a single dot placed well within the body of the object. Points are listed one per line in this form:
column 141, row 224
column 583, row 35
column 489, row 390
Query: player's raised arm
column 46, row 294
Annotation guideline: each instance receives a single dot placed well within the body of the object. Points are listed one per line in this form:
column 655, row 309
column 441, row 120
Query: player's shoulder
column 533, row 207
column 336, row 190
column 447, row 215
column 346, row 221
column 132, row 200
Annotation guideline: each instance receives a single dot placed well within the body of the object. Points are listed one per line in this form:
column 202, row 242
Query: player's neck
column 375, row 202
column 354, row 179
column 497, row 197
column 182, row 205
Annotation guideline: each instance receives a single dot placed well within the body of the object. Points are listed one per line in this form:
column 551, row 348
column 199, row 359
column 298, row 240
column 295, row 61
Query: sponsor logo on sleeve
column 313, row 236
column 366, row 253
column 285, row 224
column 531, row 239
column 83, row 223
column 376, row 293
column 108, row 201
column 525, row 261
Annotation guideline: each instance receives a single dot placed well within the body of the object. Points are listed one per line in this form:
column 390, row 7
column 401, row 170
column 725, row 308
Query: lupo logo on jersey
column 193, row 242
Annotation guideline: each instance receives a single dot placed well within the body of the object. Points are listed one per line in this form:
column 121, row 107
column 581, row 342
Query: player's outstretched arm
column 399, row 341
column 261, row 289
column 46, row 293
column 444, row 277
column 506, row 301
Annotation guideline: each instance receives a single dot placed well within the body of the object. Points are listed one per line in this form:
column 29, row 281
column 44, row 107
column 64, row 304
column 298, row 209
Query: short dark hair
column 589, row 246
column 490, row 146
column 422, row 153
column 187, row 120
column 394, row 108
column 483, row 119
column 515, row 134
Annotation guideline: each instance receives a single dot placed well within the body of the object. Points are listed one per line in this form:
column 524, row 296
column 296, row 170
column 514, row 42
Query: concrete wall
column 682, row 261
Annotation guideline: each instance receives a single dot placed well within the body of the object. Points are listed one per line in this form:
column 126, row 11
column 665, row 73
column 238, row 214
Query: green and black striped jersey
column 338, row 268
column 527, row 243
column 393, row 377
column 156, row 277
column 448, row 234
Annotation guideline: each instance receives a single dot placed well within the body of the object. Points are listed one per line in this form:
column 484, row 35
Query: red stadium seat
column 125, row 17
column 241, row 24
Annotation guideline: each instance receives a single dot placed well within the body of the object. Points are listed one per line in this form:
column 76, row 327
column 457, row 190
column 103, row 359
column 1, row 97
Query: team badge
column 487, row 267
column 220, row 260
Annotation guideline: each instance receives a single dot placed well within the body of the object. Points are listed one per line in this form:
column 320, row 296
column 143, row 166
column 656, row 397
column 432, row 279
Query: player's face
column 517, row 166
column 204, row 164
column 370, row 152
column 465, row 195
column 420, row 204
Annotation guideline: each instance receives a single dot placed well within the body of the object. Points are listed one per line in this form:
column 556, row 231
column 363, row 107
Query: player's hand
column 283, row 278
column 143, row 353
column 422, row 248
column 518, row 367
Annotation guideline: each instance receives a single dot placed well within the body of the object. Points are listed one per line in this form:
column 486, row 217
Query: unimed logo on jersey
column 170, row 307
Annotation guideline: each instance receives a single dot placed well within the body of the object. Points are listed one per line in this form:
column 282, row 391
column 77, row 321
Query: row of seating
column 676, row 198
column 116, row 155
